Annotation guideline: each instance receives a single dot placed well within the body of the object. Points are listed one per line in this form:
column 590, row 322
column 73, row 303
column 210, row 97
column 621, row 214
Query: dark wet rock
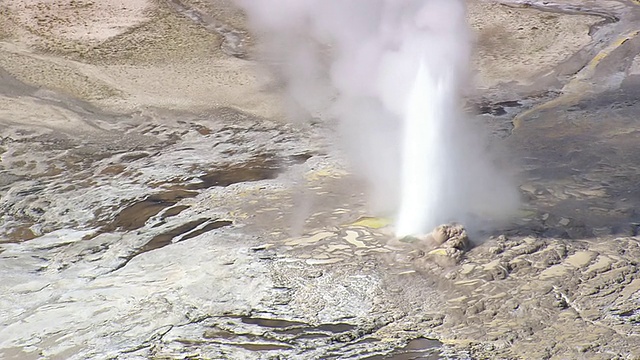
column 137, row 214
column 259, row 168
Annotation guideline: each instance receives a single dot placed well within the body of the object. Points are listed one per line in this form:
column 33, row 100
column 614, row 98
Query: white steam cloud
column 391, row 72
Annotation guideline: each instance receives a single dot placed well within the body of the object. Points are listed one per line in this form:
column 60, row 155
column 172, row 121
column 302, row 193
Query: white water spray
column 424, row 160
column 391, row 71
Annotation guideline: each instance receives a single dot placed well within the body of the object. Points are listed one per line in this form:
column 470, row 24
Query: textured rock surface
column 155, row 205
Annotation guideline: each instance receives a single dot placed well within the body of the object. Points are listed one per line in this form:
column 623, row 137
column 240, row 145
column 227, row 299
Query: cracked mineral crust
column 154, row 203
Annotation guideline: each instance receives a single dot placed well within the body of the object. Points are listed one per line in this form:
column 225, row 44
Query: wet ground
column 155, row 205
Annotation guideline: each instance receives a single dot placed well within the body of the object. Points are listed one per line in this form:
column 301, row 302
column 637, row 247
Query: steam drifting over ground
column 391, row 72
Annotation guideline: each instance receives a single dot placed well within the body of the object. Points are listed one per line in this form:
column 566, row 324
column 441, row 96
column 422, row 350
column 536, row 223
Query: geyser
column 392, row 72
column 424, row 168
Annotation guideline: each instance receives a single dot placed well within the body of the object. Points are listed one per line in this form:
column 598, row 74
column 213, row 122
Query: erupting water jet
column 391, row 71
column 424, row 168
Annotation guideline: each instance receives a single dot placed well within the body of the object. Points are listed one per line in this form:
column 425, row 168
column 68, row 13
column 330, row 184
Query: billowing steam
column 391, row 72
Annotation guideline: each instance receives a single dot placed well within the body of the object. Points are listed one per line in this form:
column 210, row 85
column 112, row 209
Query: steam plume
column 392, row 72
